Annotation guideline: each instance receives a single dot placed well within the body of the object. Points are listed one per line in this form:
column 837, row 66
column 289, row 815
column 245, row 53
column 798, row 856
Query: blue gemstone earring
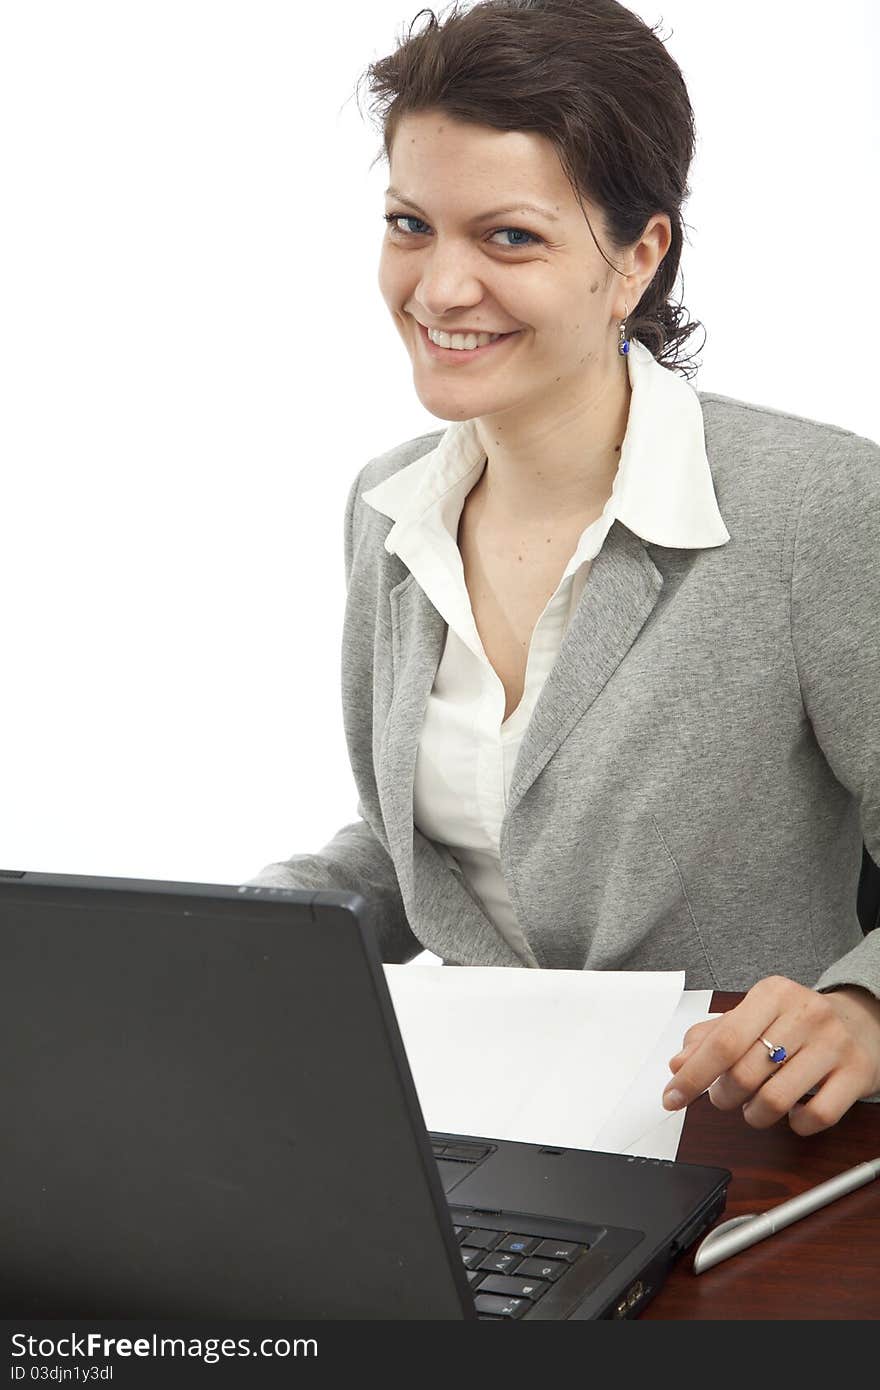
column 623, row 347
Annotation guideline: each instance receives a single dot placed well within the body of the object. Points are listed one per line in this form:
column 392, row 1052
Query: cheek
column 388, row 280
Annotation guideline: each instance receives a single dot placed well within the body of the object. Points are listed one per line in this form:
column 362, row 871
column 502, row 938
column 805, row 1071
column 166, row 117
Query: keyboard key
column 520, row 1288
column 499, row 1305
column 558, row 1250
column 520, row 1245
column 541, row 1269
column 500, row 1261
column 471, row 1257
column 487, row 1240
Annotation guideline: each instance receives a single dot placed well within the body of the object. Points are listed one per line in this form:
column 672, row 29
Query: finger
column 755, row 1068
column 679, row 1059
column 825, row 1108
column 808, row 1067
column 694, row 1034
column 730, row 1038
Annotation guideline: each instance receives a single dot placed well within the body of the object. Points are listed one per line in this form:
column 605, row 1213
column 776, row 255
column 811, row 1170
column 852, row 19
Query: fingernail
column 673, row 1100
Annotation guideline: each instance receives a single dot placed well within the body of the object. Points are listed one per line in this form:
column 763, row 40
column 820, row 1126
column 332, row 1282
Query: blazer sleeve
column 835, row 626
column 354, row 860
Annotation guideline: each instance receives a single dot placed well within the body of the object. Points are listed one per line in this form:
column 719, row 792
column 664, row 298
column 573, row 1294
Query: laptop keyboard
column 513, row 1263
column 509, row 1271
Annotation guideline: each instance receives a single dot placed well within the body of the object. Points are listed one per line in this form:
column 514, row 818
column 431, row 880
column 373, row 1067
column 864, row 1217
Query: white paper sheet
column 640, row 1125
column 542, row 1056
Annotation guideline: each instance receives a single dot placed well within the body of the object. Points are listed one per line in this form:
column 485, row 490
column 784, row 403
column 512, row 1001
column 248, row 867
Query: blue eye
column 392, row 217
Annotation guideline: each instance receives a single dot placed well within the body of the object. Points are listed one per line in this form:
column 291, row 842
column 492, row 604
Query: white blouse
column 467, row 752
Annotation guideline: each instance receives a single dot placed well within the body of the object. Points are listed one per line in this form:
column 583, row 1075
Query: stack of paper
column 573, row 1058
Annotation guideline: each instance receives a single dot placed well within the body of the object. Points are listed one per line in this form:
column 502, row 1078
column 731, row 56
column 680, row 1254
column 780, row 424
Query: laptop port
column 629, row 1300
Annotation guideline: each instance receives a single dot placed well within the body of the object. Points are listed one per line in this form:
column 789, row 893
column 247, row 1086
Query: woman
column 611, row 680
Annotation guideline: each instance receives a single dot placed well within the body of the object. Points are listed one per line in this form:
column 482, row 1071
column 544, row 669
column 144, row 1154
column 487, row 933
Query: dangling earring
column 623, row 347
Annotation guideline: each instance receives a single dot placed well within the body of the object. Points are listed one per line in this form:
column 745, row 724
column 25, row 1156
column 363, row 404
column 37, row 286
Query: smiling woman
column 509, row 67
column 590, row 726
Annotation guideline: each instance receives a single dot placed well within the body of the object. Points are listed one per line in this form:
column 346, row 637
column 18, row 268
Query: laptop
column 208, row 1113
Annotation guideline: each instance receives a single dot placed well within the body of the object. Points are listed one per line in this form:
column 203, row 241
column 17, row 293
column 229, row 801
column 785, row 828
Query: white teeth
column 462, row 340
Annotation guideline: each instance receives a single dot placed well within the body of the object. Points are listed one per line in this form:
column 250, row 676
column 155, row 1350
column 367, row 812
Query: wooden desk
column 826, row 1266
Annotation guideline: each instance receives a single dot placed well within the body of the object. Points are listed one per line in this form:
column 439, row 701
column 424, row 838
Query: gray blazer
column 703, row 761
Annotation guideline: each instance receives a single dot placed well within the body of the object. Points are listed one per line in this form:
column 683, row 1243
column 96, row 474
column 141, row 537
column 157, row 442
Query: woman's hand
column 832, row 1042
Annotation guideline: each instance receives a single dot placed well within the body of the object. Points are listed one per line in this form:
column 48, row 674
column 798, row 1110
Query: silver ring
column 777, row 1054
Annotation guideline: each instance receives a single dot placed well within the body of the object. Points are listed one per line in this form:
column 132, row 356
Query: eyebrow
column 483, row 216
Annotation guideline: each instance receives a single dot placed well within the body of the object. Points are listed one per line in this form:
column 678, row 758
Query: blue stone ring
column 777, row 1054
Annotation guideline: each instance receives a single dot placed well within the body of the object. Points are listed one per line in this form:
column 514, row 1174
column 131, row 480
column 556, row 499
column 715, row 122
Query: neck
column 559, row 466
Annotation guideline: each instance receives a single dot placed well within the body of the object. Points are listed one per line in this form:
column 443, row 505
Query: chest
column 510, row 579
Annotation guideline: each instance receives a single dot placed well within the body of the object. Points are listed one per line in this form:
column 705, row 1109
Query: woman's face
column 447, row 263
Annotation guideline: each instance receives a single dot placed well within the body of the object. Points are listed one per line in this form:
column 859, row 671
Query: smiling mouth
column 463, row 354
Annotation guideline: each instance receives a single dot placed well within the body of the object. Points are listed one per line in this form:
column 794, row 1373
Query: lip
column 453, row 355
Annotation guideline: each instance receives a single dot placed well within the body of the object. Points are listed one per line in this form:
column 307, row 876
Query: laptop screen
column 205, row 1111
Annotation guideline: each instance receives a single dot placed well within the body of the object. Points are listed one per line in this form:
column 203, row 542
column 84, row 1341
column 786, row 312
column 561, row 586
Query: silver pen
column 742, row 1231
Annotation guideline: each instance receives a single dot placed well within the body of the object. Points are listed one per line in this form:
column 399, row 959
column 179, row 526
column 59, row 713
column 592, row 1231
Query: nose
column 447, row 281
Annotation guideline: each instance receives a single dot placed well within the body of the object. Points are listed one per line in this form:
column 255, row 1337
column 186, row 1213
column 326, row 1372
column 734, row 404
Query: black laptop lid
column 205, row 1112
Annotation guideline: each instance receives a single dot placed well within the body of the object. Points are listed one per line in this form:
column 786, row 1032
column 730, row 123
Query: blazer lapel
column 442, row 913
column 620, row 593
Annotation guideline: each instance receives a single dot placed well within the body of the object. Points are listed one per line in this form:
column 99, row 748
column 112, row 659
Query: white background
column 195, row 361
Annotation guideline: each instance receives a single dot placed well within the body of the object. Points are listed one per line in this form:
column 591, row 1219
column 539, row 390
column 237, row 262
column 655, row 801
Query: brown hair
column 596, row 81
